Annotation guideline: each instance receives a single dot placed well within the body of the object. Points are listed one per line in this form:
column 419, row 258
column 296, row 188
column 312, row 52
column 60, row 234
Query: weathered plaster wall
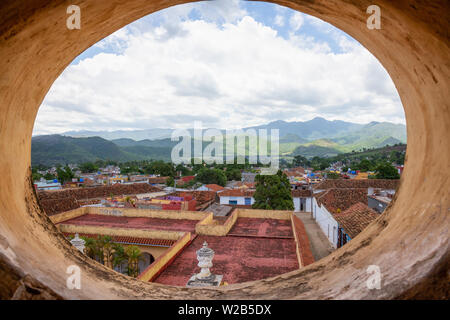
column 409, row 242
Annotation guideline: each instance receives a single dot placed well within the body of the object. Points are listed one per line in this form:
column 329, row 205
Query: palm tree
column 133, row 254
column 119, row 256
column 106, row 247
column 92, row 249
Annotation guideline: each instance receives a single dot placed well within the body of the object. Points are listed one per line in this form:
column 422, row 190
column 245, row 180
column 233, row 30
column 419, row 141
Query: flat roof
column 257, row 227
column 238, row 259
column 184, row 225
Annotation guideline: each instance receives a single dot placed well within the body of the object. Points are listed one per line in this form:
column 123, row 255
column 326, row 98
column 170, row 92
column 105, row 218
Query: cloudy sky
column 226, row 63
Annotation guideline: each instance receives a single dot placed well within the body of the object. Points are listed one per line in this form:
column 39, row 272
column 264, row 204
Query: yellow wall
column 148, row 213
column 217, row 230
column 131, row 232
column 264, row 214
column 156, row 252
column 159, row 263
column 57, row 218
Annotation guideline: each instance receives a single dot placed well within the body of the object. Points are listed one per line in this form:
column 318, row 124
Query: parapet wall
column 209, row 229
column 303, row 248
column 131, row 232
column 148, row 213
column 164, row 260
column 64, row 216
column 264, row 214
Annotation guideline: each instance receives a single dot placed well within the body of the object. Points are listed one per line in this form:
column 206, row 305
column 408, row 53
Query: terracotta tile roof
column 298, row 171
column 237, row 193
column 360, row 183
column 203, row 198
column 355, row 219
column 240, row 184
column 301, row 193
column 341, row 199
column 130, row 240
column 214, row 187
column 98, row 192
column 160, row 180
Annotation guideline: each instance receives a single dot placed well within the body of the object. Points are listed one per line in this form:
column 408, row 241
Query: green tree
column 184, row 171
column 170, row 182
column 88, row 167
column 49, row 176
column 301, row 161
column 160, row 167
column 386, row 171
column 233, row 174
column 273, row 192
column 333, row 175
column 209, row 176
column 133, row 254
column 35, row 175
column 65, row 174
column 364, row 165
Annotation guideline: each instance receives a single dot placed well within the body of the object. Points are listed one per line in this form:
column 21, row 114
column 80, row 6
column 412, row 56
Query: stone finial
column 205, row 278
column 78, row 243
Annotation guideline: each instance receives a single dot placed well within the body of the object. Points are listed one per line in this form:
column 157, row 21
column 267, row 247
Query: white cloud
column 279, row 20
column 233, row 75
column 296, row 21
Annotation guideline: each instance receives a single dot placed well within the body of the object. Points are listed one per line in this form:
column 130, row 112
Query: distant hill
column 295, row 131
column 56, row 149
column 316, row 137
column 316, row 128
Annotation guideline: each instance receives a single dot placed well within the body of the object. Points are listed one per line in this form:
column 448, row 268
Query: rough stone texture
column 409, row 242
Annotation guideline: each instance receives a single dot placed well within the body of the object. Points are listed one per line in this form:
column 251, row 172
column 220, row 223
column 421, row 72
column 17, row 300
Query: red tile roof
column 214, row 187
column 360, row 183
column 356, row 218
column 336, row 200
column 160, row 180
column 239, row 184
column 130, row 240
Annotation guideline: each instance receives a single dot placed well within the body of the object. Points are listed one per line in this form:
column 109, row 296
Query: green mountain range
column 317, row 137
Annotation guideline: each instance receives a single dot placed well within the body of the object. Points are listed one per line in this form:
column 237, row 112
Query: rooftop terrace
column 238, row 259
column 134, row 222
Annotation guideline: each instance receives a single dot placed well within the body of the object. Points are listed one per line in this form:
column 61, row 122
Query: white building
column 302, row 200
column 237, row 197
column 326, row 222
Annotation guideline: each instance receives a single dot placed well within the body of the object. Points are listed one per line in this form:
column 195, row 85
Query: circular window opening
column 413, row 223
column 105, row 146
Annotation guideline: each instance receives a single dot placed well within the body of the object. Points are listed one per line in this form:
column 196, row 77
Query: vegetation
column 333, row 175
column 160, row 167
column 170, row 182
column 112, row 255
column 64, row 174
column 273, row 192
column 386, row 171
column 212, row 176
column 233, row 174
